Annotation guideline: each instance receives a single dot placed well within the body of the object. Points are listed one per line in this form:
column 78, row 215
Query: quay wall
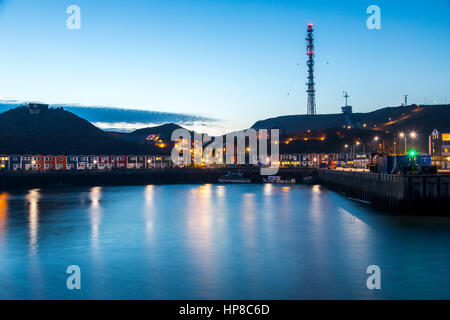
column 35, row 179
column 415, row 194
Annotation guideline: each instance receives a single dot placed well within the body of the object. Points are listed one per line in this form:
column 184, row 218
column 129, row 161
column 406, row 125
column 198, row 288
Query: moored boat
column 234, row 178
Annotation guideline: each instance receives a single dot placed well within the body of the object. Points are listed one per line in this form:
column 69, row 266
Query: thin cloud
column 108, row 114
column 110, row 118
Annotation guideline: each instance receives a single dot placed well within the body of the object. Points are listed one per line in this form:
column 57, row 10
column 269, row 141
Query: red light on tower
column 310, row 25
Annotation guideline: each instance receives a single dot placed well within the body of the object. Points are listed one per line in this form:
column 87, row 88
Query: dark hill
column 56, row 131
column 163, row 132
column 385, row 123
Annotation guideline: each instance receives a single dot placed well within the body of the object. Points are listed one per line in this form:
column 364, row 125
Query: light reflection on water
column 33, row 219
column 4, row 208
column 217, row 242
column 95, row 214
column 148, row 210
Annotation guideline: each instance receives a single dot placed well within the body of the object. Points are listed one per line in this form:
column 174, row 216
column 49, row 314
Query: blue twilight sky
column 232, row 60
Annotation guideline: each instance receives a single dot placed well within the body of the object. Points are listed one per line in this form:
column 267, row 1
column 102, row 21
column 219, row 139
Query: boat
column 309, row 180
column 279, row 180
column 234, row 178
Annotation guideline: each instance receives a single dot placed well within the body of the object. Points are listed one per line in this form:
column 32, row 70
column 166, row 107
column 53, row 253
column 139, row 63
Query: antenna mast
column 310, row 53
column 346, row 96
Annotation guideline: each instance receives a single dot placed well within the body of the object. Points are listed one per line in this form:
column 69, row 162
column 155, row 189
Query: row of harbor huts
column 81, row 162
column 109, row 162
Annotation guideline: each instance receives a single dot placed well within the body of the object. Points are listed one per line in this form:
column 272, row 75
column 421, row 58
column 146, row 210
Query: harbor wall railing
column 422, row 194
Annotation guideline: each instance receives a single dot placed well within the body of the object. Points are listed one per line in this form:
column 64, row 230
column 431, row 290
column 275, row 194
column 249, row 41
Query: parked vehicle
column 278, row 180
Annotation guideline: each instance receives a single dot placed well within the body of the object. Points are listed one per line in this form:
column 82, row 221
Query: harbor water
column 215, row 242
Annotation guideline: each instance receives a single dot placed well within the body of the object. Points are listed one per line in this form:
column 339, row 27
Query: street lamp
column 376, row 140
column 413, row 135
column 402, row 135
column 357, row 143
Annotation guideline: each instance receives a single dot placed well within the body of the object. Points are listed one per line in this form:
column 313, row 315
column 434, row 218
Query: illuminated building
column 4, row 162
column 439, row 148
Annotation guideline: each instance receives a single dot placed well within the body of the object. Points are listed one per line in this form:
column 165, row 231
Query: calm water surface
column 215, row 242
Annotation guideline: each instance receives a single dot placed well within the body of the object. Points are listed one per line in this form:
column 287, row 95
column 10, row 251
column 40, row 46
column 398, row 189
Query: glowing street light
column 354, row 145
column 412, row 135
column 402, row 135
column 376, row 140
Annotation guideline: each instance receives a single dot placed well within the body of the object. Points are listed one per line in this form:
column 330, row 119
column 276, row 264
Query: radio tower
column 310, row 53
